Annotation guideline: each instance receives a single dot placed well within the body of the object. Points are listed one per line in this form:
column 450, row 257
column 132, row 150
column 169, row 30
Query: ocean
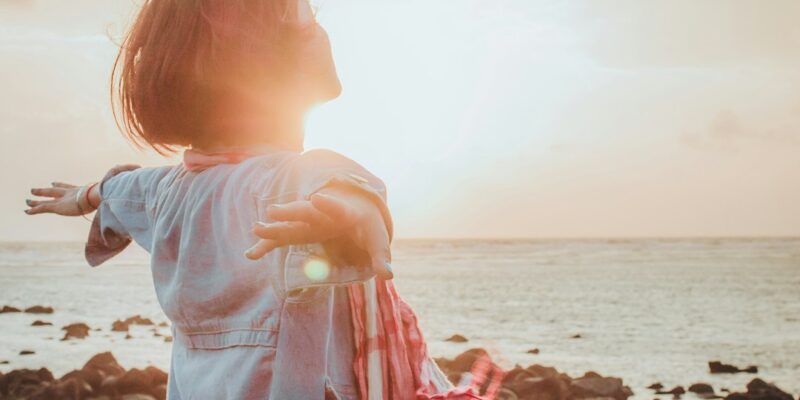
column 646, row 310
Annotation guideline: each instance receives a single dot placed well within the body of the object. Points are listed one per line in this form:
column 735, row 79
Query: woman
column 306, row 312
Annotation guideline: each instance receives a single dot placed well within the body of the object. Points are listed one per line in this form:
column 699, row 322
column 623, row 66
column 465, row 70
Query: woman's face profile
column 317, row 69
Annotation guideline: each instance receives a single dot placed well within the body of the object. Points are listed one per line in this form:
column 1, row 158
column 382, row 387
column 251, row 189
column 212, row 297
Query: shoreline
column 102, row 377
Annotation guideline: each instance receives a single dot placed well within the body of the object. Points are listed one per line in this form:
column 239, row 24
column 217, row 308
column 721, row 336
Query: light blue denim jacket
column 243, row 329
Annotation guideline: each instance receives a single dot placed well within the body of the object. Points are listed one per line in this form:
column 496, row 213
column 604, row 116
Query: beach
column 646, row 311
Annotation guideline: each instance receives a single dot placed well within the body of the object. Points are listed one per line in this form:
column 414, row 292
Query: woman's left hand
column 333, row 213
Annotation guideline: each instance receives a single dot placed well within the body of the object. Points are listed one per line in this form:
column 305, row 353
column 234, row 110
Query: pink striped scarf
column 391, row 358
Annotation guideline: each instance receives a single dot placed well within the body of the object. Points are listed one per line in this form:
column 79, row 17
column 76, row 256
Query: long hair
column 185, row 64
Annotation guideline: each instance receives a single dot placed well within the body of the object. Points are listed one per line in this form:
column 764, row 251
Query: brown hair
column 187, row 64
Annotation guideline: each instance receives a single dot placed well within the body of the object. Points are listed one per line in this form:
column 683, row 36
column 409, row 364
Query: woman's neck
column 263, row 132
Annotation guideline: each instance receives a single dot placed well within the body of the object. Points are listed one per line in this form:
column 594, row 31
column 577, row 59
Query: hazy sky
column 491, row 118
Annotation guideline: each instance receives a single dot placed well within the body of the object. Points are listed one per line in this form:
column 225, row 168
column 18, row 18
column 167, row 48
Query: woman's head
column 200, row 72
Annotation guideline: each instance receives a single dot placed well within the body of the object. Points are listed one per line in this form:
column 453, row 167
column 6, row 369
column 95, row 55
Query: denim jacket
column 275, row 328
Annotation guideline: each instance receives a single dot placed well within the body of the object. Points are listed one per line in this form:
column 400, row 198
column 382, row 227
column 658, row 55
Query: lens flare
column 317, row 269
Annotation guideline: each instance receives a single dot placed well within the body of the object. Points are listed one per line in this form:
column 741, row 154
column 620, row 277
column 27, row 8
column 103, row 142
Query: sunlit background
column 486, row 118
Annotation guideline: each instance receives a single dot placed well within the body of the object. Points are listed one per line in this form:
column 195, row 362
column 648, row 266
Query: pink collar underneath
column 198, row 161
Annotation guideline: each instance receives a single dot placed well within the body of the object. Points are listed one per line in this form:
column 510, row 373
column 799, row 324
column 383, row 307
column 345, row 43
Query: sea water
column 645, row 310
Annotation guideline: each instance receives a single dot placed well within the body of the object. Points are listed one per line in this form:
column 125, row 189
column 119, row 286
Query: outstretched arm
column 332, row 215
column 69, row 200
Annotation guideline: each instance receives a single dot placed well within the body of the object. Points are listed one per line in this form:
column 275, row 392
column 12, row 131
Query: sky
column 485, row 118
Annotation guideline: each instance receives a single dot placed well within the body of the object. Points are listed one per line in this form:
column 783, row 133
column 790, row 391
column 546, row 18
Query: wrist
column 93, row 196
column 84, row 199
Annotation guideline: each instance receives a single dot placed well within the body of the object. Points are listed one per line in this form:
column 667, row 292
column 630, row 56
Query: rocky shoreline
column 102, row 378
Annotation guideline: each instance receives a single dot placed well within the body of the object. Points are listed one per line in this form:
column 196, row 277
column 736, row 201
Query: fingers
column 40, row 209
column 54, row 192
column 336, row 209
column 261, row 249
column 286, row 233
column 63, row 185
column 381, row 257
column 298, row 211
column 35, row 203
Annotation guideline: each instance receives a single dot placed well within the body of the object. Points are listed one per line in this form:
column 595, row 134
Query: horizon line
column 526, row 238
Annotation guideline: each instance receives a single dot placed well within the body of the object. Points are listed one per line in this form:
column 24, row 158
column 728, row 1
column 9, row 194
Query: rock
column 158, row 376
column 576, row 336
column 78, row 331
column 656, row 386
column 540, row 388
column 717, row 367
column 156, row 334
column 677, row 391
column 135, row 381
column 138, row 320
column 91, row 377
column 464, row 361
column 128, row 337
column 167, row 339
column 160, row 391
column 71, row 388
column 533, row 351
column 757, row 389
column 105, row 363
column 701, row 388
column 26, row 352
column 598, row 387
column 542, row 371
column 23, row 383
column 163, row 324
column 5, row 362
column 41, row 323
column 9, row 309
column 119, row 326
column 39, row 310
column 457, row 339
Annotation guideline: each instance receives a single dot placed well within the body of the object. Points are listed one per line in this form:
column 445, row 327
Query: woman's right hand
column 70, row 200
column 63, row 201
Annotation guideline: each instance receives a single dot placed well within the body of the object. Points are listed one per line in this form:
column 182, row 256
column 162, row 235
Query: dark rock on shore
column 138, row 320
column 703, row 390
column 101, row 377
column 124, row 325
column 656, row 386
column 757, row 389
column 677, row 391
column 119, row 326
column 26, row 352
column 717, row 367
column 576, row 336
column 39, row 310
column 536, row 382
column 78, row 331
column 22, row 383
column 533, row 351
column 457, row 339
column 41, row 323
column 9, row 309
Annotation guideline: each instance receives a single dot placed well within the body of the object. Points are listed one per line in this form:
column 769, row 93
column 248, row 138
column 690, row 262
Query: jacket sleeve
column 318, row 264
column 124, row 214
